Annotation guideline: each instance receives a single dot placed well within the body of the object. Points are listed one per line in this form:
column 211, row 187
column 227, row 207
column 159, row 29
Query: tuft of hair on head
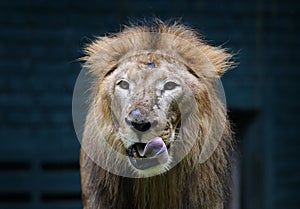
column 173, row 39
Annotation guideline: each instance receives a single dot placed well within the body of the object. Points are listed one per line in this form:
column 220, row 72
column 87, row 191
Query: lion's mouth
column 146, row 155
column 156, row 152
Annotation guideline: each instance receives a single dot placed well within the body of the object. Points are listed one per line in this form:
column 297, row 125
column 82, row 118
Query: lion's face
column 146, row 106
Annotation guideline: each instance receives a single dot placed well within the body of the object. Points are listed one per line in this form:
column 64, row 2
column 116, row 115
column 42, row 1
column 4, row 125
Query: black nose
column 139, row 121
column 141, row 126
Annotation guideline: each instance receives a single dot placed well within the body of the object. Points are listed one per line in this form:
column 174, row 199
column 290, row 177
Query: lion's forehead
column 148, row 72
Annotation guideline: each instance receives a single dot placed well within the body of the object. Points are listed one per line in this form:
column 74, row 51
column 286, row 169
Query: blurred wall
column 40, row 41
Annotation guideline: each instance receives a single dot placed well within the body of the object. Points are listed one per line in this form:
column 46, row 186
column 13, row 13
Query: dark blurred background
column 40, row 41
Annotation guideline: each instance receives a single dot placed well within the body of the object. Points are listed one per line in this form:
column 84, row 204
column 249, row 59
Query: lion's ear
column 101, row 56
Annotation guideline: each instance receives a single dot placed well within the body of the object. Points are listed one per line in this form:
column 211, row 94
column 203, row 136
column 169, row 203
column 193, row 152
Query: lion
column 154, row 106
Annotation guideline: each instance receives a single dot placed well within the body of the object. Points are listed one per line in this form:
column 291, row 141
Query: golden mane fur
column 188, row 185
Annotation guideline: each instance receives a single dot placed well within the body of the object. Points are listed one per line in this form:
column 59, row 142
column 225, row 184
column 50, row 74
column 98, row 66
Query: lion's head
column 155, row 97
column 148, row 102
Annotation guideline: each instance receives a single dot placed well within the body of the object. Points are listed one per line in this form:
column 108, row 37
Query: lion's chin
column 144, row 156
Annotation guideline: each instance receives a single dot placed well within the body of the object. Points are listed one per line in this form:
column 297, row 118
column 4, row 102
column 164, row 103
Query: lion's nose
column 141, row 126
column 139, row 121
column 137, row 115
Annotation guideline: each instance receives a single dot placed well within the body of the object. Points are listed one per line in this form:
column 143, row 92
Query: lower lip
column 144, row 163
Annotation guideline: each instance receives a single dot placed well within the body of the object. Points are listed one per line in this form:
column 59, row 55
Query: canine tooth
column 165, row 133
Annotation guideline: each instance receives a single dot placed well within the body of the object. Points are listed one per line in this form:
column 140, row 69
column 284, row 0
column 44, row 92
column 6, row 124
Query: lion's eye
column 123, row 84
column 170, row 85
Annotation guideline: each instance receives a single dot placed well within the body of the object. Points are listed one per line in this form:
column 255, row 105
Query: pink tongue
column 154, row 147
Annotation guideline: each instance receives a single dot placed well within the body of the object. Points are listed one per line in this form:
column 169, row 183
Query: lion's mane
column 188, row 185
